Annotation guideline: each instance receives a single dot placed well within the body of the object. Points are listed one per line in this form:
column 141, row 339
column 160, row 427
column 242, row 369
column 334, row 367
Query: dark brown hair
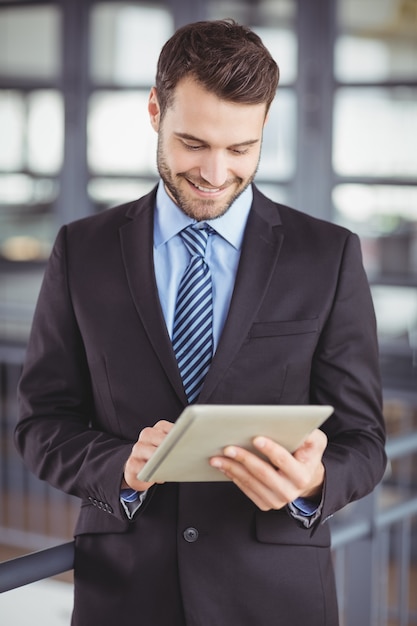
column 228, row 60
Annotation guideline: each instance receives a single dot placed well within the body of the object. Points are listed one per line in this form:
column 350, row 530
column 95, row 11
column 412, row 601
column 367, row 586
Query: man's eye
column 192, row 147
column 239, row 152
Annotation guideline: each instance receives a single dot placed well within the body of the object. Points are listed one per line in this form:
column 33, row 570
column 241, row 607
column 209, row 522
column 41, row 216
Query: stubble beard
column 196, row 209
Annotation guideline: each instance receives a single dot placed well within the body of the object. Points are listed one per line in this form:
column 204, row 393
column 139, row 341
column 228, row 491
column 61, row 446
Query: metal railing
column 36, row 566
column 33, row 515
column 359, row 542
column 374, row 546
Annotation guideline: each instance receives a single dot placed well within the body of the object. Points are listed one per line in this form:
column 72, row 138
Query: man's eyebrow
column 241, row 144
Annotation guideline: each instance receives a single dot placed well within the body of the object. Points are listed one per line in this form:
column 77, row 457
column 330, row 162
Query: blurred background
column 341, row 144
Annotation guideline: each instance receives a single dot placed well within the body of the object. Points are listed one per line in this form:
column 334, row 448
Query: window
column 275, row 23
column 375, row 119
column 126, row 39
column 74, row 85
column 375, row 165
column 31, row 128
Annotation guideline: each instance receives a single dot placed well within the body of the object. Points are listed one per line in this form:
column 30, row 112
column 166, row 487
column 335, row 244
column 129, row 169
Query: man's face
column 208, row 149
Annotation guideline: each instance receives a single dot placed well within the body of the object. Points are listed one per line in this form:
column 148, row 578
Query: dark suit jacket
column 100, row 367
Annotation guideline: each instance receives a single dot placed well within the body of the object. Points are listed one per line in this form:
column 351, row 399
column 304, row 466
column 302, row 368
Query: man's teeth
column 205, row 189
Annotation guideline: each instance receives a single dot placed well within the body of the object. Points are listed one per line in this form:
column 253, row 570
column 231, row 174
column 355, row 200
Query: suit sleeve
column 345, row 374
column 54, row 433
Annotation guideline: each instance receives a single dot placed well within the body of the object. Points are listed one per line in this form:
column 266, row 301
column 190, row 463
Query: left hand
column 286, row 477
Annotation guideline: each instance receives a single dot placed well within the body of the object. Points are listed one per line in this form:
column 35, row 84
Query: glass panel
column 376, row 44
column 276, row 12
column 374, row 131
column 31, row 131
column 278, row 149
column 221, row 9
column 126, row 40
column 30, row 42
column 394, row 18
column 107, row 192
column 120, row 137
column 370, row 60
column 18, row 189
column 18, row 294
column 273, row 21
column 282, row 45
column 12, row 130
column 396, row 312
column 386, row 219
column 27, row 224
column 378, row 209
column 277, row 193
column 45, row 133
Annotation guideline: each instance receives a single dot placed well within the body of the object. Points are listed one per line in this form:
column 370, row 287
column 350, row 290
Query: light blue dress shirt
column 222, row 256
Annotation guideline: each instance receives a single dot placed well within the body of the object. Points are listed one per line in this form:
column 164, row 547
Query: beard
column 198, row 209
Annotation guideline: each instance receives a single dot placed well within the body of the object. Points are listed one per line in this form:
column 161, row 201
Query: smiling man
column 208, row 148
column 203, row 291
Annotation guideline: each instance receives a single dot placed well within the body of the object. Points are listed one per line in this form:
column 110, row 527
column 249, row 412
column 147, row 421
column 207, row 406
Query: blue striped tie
column 192, row 336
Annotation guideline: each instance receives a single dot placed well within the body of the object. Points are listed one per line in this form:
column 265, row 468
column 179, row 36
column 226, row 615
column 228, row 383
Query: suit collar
column 260, row 251
column 170, row 220
column 136, row 239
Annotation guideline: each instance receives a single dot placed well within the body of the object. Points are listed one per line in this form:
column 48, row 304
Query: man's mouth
column 205, row 189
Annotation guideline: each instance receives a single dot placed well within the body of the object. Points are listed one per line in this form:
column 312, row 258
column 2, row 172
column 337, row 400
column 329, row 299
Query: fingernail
column 231, row 452
column 259, row 442
column 216, row 463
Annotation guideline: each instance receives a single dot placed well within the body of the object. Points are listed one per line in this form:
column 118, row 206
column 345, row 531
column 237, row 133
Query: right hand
column 149, row 439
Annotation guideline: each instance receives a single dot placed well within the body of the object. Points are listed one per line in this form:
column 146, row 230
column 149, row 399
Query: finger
column 149, row 440
column 154, row 435
column 277, row 455
column 300, row 465
column 288, row 481
column 261, row 496
column 258, row 481
column 316, row 442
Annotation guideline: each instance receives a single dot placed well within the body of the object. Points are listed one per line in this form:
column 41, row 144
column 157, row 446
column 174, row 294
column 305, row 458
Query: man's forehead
column 190, row 86
column 198, row 114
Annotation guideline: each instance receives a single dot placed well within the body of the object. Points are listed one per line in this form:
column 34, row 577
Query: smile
column 206, row 189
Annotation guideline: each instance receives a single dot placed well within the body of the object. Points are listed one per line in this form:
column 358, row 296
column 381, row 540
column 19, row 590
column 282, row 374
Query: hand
column 286, row 477
column 149, row 439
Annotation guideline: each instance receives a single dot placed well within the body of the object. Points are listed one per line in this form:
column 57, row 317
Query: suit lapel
column 136, row 239
column 260, row 251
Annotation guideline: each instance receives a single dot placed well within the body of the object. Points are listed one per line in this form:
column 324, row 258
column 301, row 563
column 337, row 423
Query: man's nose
column 213, row 169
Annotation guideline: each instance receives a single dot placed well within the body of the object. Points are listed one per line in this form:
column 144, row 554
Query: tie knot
column 195, row 239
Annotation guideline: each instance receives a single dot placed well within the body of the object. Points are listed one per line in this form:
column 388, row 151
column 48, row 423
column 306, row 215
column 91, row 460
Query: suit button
column 190, row 534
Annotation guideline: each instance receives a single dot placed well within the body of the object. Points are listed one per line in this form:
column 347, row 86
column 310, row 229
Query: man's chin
column 206, row 210
column 201, row 209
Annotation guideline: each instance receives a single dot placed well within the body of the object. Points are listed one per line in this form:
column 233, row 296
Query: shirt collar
column 169, row 220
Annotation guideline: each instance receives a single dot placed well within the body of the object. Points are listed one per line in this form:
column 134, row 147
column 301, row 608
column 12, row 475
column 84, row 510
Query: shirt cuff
column 305, row 511
column 131, row 501
column 129, row 495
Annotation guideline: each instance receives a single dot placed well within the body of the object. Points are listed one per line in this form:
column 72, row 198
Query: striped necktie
column 192, row 337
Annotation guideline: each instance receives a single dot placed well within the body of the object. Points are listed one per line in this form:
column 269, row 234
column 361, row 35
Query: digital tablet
column 203, row 430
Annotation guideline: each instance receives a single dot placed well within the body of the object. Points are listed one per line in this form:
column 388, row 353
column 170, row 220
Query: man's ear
column 154, row 109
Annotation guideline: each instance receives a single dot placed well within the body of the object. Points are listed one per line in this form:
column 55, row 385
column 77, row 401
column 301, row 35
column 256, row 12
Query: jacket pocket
column 288, row 327
column 278, row 527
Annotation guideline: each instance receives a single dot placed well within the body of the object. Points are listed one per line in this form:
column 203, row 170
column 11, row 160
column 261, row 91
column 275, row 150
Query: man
column 292, row 323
